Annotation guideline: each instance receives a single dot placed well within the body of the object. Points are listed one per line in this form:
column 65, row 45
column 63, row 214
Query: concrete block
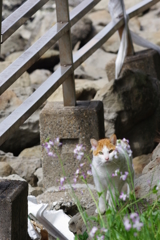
column 73, row 125
column 13, row 210
column 147, row 61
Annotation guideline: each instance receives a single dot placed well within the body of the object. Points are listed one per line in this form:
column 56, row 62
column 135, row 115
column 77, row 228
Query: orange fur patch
column 101, row 143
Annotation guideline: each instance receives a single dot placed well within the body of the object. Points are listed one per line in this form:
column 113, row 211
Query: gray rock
column 125, row 111
column 9, row 6
column 33, row 152
column 99, row 59
column 39, row 174
column 14, row 43
column 140, row 162
column 148, row 180
column 28, row 136
column 54, row 194
column 35, row 191
column 80, row 31
column 25, row 168
column 38, row 77
column 156, row 152
column 76, row 224
column 5, row 156
column 5, row 169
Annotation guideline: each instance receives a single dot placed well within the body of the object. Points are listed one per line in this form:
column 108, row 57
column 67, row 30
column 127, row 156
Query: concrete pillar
column 147, row 61
column 73, row 125
column 13, row 210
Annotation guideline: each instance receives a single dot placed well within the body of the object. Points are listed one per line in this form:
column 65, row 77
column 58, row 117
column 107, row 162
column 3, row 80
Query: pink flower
column 75, row 179
column 115, row 174
column 89, row 172
column 133, row 216
column 93, row 231
column 82, row 164
column 84, row 176
column 51, row 154
column 62, row 179
column 100, row 238
column 79, row 152
column 51, row 143
column 57, row 142
column 127, row 224
column 149, row 182
column 124, row 177
column 77, row 171
column 104, row 230
column 137, row 224
column 123, row 196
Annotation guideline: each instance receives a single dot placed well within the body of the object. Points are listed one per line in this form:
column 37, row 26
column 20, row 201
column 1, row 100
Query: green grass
column 116, row 223
column 113, row 222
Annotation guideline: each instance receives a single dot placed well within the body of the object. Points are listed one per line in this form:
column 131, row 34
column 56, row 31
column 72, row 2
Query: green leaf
column 154, row 190
column 76, row 237
column 99, row 193
column 93, row 219
column 47, row 139
column 84, row 236
column 108, row 211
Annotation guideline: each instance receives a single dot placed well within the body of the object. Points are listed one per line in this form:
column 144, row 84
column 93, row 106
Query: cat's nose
column 107, row 158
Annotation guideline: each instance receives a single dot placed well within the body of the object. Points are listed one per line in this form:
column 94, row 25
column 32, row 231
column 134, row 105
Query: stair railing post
column 65, row 48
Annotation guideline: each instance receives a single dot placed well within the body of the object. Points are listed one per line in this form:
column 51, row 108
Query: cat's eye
column 101, row 153
column 111, row 150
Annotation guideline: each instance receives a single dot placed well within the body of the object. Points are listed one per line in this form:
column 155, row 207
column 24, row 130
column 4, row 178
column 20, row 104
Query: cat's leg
column 102, row 202
column 111, row 197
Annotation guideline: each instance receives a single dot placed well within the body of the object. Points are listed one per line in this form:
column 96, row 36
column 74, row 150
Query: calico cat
column 112, row 161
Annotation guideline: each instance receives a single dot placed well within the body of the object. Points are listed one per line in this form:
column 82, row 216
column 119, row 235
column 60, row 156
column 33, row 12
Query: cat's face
column 104, row 149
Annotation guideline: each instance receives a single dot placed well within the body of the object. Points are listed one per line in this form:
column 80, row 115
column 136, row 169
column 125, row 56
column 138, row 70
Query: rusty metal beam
column 65, row 48
column 20, row 16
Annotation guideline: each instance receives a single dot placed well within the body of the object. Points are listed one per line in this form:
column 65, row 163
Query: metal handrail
column 20, row 16
column 32, row 54
column 17, row 117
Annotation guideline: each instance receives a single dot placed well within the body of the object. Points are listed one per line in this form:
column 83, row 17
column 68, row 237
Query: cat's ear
column 93, row 142
column 113, row 139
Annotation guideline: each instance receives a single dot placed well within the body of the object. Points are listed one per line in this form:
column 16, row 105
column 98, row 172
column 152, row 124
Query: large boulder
column 140, row 162
column 99, row 59
column 26, row 167
column 149, row 177
column 132, row 109
column 81, row 31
